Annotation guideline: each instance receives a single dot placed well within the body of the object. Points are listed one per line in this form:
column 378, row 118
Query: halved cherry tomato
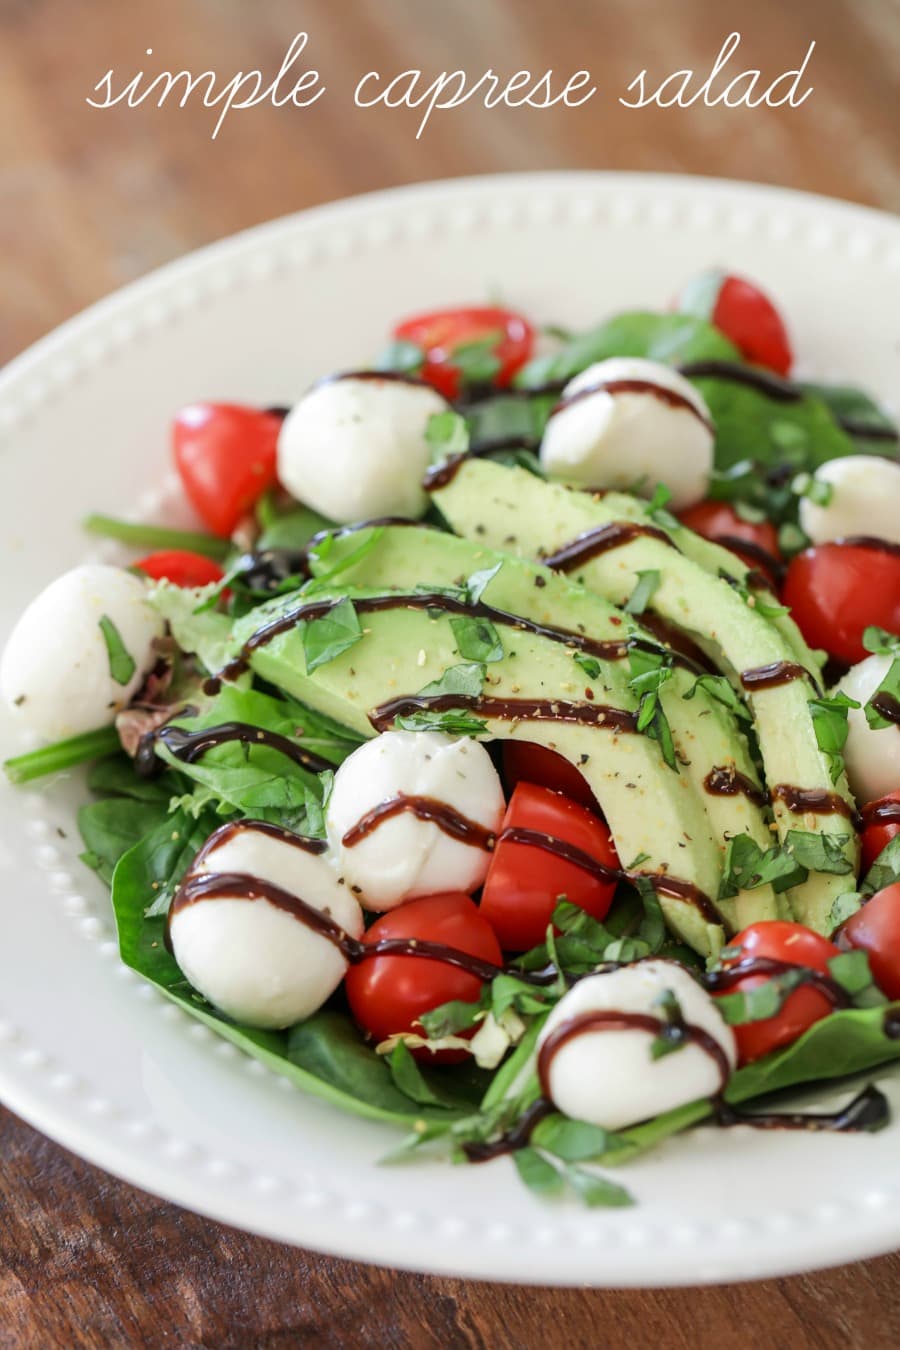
column 720, row 522
column 875, row 929
column 798, row 946
column 835, row 591
column 525, row 882
column 440, row 333
column 744, row 314
column 181, row 567
column 525, row 762
column 388, row 994
column 226, row 456
column 881, row 822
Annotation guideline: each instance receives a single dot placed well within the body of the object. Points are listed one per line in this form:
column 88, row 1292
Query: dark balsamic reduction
column 717, row 981
column 190, row 746
column 764, row 564
column 506, row 709
column 727, row 781
column 816, row 801
column 601, row 540
column 887, row 706
column 868, row 1111
column 513, row 1139
column 870, row 542
column 375, row 376
column 891, row 1024
column 658, row 391
column 880, row 813
column 448, row 821
column 773, row 675
column 773, row 386
column 854, row 426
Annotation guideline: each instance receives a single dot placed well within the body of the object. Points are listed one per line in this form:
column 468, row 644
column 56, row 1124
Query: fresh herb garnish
column 718, row 687
column 656, row 508
column 477, row 640
column 648, row 584
column 402, row 357
column 829, row 716
column 474, row 587
column 477, row 361
column 651, row 668
column 819, row 852
column 121, row 663
column 589, row 664
column 763, row 1001
column 748, row 866
column 326, row 638
column 447, row 434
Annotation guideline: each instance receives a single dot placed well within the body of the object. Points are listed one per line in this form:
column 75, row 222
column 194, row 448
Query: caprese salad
column 515, row 754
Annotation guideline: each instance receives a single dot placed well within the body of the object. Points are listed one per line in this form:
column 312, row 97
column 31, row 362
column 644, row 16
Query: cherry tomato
column 525, row 762
column 875, row 929
column 226, row 456
column 181, row 567
column 780, row 940
column 877, row 834
column 442, row 332
column 388, row 994
column 720, row 522
column 525, row 883
column 836, row 591
column 744, row 314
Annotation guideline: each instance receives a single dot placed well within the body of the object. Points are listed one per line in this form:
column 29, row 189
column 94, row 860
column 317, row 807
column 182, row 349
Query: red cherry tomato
column 878, row 833
column 388, row 994
column 226, row 456
column 181, row 567
column 525, row 883
column 875, row 929
column 781, row 941
column 441, row 332
column 720, row 522
column 525, row 762
column 744, row 314
column 836, row 591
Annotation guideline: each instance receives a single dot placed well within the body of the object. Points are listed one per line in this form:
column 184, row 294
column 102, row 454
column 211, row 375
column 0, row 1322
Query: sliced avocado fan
column 711, row 749
column 512, row 510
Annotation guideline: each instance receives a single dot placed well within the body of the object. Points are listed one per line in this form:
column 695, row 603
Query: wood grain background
column 90, row 199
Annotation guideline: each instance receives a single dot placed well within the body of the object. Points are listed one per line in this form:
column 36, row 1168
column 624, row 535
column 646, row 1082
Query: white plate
column 97, row 1059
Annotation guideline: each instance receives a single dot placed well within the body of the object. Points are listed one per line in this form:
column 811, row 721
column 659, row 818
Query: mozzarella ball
column 254, row 961
column 609, row 1078
column 59, row 672
column 355, row 448
column 871, row 757
column 864, row 500
column 604, row 437
column 404, row 856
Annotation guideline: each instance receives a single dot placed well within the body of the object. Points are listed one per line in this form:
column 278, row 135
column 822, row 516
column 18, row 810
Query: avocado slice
column 707, row 736
column 654, row 814
column 513, row 510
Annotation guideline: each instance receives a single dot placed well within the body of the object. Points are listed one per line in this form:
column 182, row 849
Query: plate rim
column 77, row 1134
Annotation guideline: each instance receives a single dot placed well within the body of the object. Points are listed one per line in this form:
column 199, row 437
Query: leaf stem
column 143, row 535
column 62, row 755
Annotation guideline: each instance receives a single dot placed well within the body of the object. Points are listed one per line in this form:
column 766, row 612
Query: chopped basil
column 121, row 662
column 477, row 639
column 747, row 866
column 819, row 852
column 319, row 553
column 447, row 434
column 475, row 586
column 672, row 1037
column 466, row 680
column 449, row 1018
column 852, row 972
column 648, row 584
column 829, row 717
column 718, row 687
column 843, row 907
column 589, row 664
column 537, row 1173
column 656, row 508
column 762, row 1002
column 650, row 670
column 402, row 357
column 572, row 1141
column 450, row 723
column 885, row 870
column 813, row 489
column 325, row 638
column 880, row 642
column 889, row 689
column 509, row 992
column 477, row 361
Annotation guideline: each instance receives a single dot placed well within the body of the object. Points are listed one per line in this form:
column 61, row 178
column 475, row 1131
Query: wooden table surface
column 91, row 199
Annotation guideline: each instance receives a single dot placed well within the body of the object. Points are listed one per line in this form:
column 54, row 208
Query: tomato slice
column 226, row 457
column 754, row 542
column 835, row 591
column 881, row 822
column 388, row 994
column 798, row 946
column 181, row 567
column 525, row 882
column 525, row 762
column 745, row 315
column 875, row 929
column 441, row 333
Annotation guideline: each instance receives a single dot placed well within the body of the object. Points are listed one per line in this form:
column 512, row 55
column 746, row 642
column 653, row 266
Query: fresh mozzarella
column 57, row 671
column 256, row 962
column 609, row 1077
column 871, row 756
column 404, row 856
column 609, row 437
column 355, row 449
column 864, row 500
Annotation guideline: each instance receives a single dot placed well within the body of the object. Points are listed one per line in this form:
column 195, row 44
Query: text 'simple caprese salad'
column 517, row 759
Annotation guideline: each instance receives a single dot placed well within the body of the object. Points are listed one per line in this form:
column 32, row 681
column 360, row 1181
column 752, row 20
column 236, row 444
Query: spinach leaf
column 750, row 426
column 115, row 776
column 112, row 826
column 857, row 409
column 671, row 338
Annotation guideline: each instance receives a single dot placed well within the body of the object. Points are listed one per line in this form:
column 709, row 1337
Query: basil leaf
column 843, row 908
column 852, row 972
column 446, row 434
column 819, row 852
column 477, row 640
column 889, row 692
column 880, row 642
column 656, row 508
column 450, row 723
column 466, row 680
column 718, row 687
column 475, row 586
column 648, row 584
column 596, row 1191
column 572, row 1141
column 764, row 1001
column 477, row 361
column 538, row 1174
column 325, row 638
column 747, row 866
column 402, row 357
column 589, row 664
column 121, row 663
column 449, row 1018
column 650, row 670
column 409, row 1079
column 829, row 717
column 885, row 870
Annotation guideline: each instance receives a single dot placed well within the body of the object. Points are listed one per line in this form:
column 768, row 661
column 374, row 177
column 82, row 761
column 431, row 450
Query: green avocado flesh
column 512, row 510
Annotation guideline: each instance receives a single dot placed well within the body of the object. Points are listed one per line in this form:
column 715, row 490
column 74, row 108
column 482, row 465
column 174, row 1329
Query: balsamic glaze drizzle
column 601, row 540
column 190, row 746
column 634, row 386
column 773, row 675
